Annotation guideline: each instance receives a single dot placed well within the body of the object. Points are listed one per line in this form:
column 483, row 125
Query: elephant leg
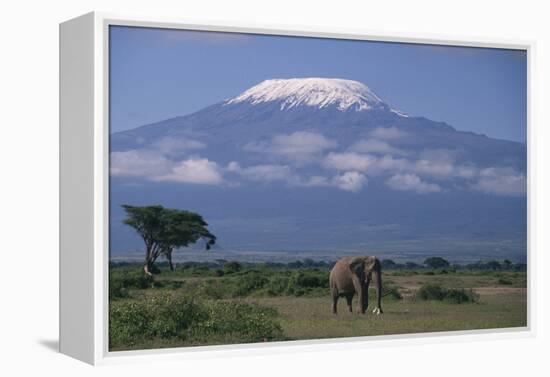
column 366, row 295
column 334, row 302
column 360, row 289
column 349, row 299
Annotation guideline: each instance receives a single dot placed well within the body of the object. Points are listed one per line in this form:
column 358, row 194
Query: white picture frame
column 84, row 174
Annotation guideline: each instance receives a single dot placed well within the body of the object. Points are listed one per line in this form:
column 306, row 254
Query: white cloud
column 138, row 163
column 411, row 182
column 387, row 133
column 263, row 173
column 439, row 169
column 350, row 181
column 349, row 161
column 437, row 163
column 193, row 170
column 501, row 181
column 390, row 164
column 375, row 146
column 301, row 146
column 155, row 167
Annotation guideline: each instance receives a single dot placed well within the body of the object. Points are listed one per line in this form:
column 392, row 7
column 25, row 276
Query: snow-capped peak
column 316, row 92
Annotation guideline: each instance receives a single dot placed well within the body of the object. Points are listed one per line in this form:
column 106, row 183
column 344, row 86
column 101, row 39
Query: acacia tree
column 163, row 230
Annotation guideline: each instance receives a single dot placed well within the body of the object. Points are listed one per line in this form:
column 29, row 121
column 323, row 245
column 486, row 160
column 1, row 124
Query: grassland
column 201, row 305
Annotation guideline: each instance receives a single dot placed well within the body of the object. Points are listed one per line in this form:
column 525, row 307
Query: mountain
column 316, row 163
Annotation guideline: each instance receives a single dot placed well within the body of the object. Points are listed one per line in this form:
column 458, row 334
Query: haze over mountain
column 325, row 164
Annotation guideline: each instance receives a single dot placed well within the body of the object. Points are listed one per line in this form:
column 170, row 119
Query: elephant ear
column 355, row 263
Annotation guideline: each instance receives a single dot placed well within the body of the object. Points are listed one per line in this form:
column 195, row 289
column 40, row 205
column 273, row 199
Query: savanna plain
column 230, row 302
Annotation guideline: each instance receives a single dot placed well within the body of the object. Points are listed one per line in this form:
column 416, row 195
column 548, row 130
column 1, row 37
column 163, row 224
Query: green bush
column 390, row 291
column 249, row 283
column 216, row 289
column 431, row 292
column 310, row 279
column 277, row 285
column 459, row 296
column 164, row 317
column 231, row 267
column 121, row 280
column 186, row 318
column 439, row 293
column 505, row 281
column 117, row 289
column 239, row 321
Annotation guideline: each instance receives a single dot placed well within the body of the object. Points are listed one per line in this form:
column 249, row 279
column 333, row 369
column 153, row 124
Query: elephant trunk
column 378, row 273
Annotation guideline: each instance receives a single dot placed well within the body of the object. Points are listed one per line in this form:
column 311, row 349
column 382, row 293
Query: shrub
column 277, row 285
column 163, row 317
column 431, row 292
column 439, row 293
column 240, row 321
column 231, row 267
column 390, row 291
column 216, row 289
column 310, row 279
column 120, row 281
column 186, row 318
column 117, row 289
column 250, row 282
column 436, row 262
column 504, row 281
column 459, row 296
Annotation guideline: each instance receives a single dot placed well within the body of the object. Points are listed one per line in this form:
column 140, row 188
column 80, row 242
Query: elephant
column 352, row 275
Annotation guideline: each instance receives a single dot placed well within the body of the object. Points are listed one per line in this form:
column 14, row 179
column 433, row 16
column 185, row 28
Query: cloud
column 391, row 164
column 437, row 163
column 411, row 182
column 138, row 163
column 387, row 133
column 375, row 146
column 193, row 170
column 439, row 169
column 350, row 181
column 501, row 181
column 300, row 146
column 349, row 161
column 153, row 166
column 263, row 173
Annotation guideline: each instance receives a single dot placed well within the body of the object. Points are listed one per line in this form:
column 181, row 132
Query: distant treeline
column 387, row 264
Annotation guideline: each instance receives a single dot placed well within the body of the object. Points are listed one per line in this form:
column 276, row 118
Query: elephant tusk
column 376, row 311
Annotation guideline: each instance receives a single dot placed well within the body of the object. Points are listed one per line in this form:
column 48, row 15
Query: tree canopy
column 165, row 229
column 436, row 262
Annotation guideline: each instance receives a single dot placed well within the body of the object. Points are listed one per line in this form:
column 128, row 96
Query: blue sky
column 157, row 74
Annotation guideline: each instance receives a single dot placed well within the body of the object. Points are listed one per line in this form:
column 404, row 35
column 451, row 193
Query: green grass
column 310, row 318
column 203, row 306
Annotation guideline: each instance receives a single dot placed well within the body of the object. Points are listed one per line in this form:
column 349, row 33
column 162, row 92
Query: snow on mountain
column 315, row 92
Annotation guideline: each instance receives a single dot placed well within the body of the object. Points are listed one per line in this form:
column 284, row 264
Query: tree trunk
column 148, row 261
column 148, row 267
column 169, row 257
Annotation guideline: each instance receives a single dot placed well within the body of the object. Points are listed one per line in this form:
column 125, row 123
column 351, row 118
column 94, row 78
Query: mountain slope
column 274, row 155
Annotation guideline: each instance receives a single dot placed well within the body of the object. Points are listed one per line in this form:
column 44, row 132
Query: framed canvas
column 251, row 188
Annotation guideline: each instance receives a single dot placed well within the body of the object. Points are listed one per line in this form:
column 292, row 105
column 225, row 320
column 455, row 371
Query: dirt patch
column 500, row 290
